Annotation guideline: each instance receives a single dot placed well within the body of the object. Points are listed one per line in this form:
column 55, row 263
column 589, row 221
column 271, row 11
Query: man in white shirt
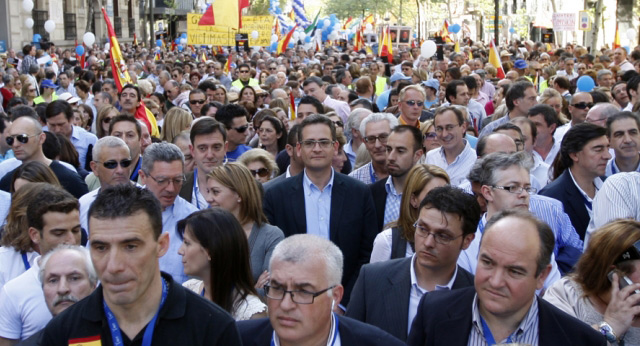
column 546, row 120
column 620, row 60
column 623, row 131
column 313, row 86
column 579, row 106
column 568, row 71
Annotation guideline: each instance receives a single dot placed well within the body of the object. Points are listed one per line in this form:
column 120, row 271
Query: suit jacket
column 266, row 186
column 379, row 193
column 259, row 333
column 353, row 219
column 448, row 322
column 564, row 190
column 381, row 295
column 186, row 191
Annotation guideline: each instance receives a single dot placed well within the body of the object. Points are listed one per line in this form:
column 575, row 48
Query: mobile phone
column 623, row 281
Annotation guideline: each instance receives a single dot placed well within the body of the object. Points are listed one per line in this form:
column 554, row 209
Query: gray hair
column 160, row 152
column 84, row 253
column 301, row 248
column 484, row 169
column 378, row 117
column 107, row 142
column 354, row 120
column 272, row 79
column 603, row 72
column 605, row 109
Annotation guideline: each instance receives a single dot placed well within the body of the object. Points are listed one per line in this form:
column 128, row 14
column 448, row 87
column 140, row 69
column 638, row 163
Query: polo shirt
column 232, row 156
column 185, row 319
column 342, row 108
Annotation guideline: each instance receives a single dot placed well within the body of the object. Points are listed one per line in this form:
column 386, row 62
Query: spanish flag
column 227, row 65
column 495, row 60
column 282, row 44
column 292, row 107
column 203, row 57
column 359, row 40
column 369, row 19
column 224, row 13
column 386, row 48
column 135, row 39
column 616, row 40
column 157, row 56
column 344, row 27
column 121, row 77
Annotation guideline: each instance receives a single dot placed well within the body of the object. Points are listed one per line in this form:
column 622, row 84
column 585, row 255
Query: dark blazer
column 186, row 191
column 274, row 181
column 381, row 295
column 379, row 193
column 444, row 318
column 353, row 219
column 259, row 333
column 564, row 190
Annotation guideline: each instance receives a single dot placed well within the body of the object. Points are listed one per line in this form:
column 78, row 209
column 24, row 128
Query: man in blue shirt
column 58, row 116
column 235, row 120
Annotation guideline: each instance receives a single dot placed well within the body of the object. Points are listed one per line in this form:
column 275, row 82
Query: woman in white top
column 612, row 255
column 396, row 241
column 215, row 250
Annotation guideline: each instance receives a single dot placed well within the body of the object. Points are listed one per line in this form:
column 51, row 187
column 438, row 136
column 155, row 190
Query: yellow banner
column 225, row 36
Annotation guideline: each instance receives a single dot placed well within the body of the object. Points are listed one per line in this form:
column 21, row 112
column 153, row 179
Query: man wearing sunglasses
column 411, row 101
column 244, row 77
column 197, row 98
column 234, row 119
column 579, row 106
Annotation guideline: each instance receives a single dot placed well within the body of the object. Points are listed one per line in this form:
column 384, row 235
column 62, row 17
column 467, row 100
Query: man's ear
column 163, row 244
column 34, row 234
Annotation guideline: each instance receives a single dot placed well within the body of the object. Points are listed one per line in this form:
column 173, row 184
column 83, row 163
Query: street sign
column 489, row 23
column 564, row 21
column 584, row 21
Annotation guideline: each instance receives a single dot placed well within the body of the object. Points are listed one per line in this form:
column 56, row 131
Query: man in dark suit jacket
column 583, row 156
column 387, row 294
column 323, row 202
column 514, row 261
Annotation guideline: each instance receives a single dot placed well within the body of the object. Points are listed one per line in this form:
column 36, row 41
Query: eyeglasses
column 383, row 137
column 310, row 143
column 412, row 103
column 240, row 129
column 517, row 189
column 449, row 128
column 112, row 164
column 243, row 71
column 23, row 138
column 31, row 90
column 297, row 296
column 430, row 135
column 200, row 102
column 272, row 68
column 164, row 182
column 583, row 105
column 338, row 123
column 439, row 237
column 262, row 172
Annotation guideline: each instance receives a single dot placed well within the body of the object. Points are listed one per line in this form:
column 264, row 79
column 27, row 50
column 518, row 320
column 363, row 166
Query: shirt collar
column 526, row 323
column 467, row 146
column 414, row 278
column 597, row 182
column 391, row 189
column 308, row 184
column 334, row 333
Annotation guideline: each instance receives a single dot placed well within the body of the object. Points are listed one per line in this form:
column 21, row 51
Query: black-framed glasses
column 383, row 138
column 412, row 103
column 439, row 237
column 243, row 71
column 517, row 189
column 200, row 102
column 261, row 172
column 310, row 143
column 297, row 296
column 240, row 129
column 22, row 138
column 112, row 164
column 583, row 105
column 163, row 182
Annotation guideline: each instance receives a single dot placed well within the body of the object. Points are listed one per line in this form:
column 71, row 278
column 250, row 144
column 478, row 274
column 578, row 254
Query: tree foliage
column 356, row 8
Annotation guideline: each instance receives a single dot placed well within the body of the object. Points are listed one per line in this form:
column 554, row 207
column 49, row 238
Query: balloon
column 327, row 22
column 254, row 34
column 368, row 27
column 585, row 84
column 79, row 50
column 184, row 35
column 274, row 38
column 428, row 49
column 36, row 38
column 274, row 46
column 455, row 28
column 28, row 23
column 291, row 45
column 27, row 5
column 512, row 30
column 631, row 33
column 307, row 39
column 183, row 40
column 107, row 46
column 302, row 36
column 50, row 26
column 88, row 38
column 180, row 48
column 159, row 43
column 296, row 35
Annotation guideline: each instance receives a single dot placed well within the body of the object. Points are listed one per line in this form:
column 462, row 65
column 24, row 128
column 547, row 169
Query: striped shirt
column 459, row 168
column 526, row 333
column 365, row 174
column 392, row 204
column 612, row 167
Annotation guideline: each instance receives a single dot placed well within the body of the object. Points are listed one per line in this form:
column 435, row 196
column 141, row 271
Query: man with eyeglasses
column 197, row 99
column 407, row 68
column 303, row 291
column 579, row 106
column 387, row 294
column 375, row 129
column 162, row 173
column 520, row 97
column 234, row 119
column 244, row 77
column 314, row 86
column 177, row 75
column 323, row 202
column 456, row 155
column 411, row 105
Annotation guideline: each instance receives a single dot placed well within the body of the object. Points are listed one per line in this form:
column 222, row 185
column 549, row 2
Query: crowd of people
column 321, row 197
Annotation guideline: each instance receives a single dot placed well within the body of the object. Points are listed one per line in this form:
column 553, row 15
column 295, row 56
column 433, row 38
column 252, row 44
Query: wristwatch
column 607, row 331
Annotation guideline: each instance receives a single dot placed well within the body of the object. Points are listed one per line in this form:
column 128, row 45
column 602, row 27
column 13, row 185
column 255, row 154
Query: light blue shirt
column 5, row 204
column 392, row 204
column 459, row 168
column 7, row 155
column 351, row 155
column 81, row 139
column 317, row 206
column 365, row 174
column 171, row 262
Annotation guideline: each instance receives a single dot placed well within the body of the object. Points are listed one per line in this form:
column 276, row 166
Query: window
column 132, row 27
column 69, row 26
column 117, row 26
column 39, row 17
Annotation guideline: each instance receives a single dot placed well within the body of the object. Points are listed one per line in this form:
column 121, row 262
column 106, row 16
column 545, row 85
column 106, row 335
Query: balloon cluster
column 454, row 29
column 329, row 28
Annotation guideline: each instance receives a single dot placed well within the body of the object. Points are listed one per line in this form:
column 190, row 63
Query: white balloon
column 49, row 26
column 327, row 22
column 27, row 5
column 89, row 38
column 515, row 36
column 274, row 38
column 302, row 36
column 631, row 34
column 428, row 49
column 28, row 23
column 107, row 46
column 296, row 35
column 368, row 27
column 255, row 34
column 308, row 46
column 183, row 41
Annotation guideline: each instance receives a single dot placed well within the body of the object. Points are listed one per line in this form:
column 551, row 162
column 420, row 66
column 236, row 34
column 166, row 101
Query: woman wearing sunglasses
column 232, row 187
column 260, row 163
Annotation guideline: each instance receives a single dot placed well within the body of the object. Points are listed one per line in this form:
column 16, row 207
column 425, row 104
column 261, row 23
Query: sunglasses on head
column 241, row 129
column 193, row 102
column 23, row 138
column 583, row 105
column 262, row 172
column 112, row 164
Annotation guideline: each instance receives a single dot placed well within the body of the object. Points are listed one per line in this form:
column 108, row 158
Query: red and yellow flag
column 135, row 39
column 224, row 13
column 444, row 32
column 616, row 40
column 292, row 107
column 369, row 19
column 386, row 48
column 121, row 77
column 227, row 65
column 349, row 20
column 358, row 43
column 282, row 44
column 494, row 59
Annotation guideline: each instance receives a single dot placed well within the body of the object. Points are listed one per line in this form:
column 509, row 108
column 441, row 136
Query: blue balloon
column 320, row 23
column 455, row 28
column 307, row 39
column 585, row 84
column 177, row 40
column 274, row 46
column 291, row 45
column 159, row 43
column 184, row 35
column 180, row 48
column 36, row 38
column 512, row 30
column 79, row 50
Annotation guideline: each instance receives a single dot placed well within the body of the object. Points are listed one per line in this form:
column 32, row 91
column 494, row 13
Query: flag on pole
column 292, row 107
column 203, row 57
column 121, row 77
column 616, row 40
column 224, row 13
column 135, row 39
column 227, row 65
column 495, row 60
column 359, row 40
column 444, row 32
column 344, row 27
column 312, row 28
column 282, row 44
column 386, row 48
column 369, row 19
column 207, row 18
column 456, row 47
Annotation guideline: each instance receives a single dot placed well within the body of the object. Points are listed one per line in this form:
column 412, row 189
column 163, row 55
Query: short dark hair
column 452, row 89
column 633, row 84
column 549, row 114
column 415, row 133
column 562, row 82
column 125, row 117
column 292, row 136
column 228, row 112
column 454, row 72
column 516, row 91
column 620, row 116
column 455, row 110
column 547, row 239
column 126, row 200
column 22, row 111
column 574, row 141
column 452, row 200
column 50, row 199
column 207, row 126
column 207, row 85
column 317, row 119
column 470, row 82
column 311, row 80
column 131, row 86
column 310, row 100
column 59, row 106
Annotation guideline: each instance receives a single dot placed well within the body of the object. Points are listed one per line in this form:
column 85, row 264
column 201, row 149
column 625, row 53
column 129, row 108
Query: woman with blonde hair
column 28, row 92
column 260, row 163
column 594, row 292
column 233, row 188
column 175, row 121
column 396, row 241
column 551, row 97
column 105, row 114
